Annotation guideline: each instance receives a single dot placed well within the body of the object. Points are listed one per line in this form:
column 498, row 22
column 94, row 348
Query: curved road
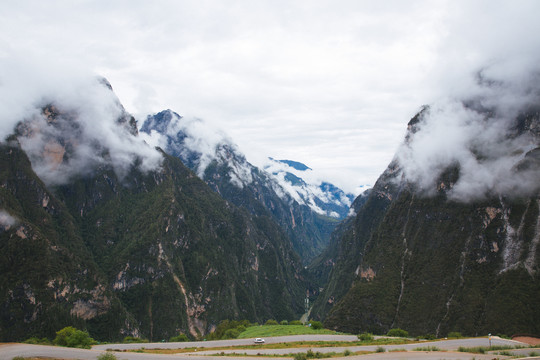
column 9, row 351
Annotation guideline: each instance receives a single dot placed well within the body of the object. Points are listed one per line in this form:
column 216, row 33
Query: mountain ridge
column 226, row 170
column 420, row 256
column 118, row 250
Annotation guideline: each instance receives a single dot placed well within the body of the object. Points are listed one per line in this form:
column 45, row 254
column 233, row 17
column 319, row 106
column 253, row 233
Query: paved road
column 441, row 344
column 8, row 351
column 234, row 342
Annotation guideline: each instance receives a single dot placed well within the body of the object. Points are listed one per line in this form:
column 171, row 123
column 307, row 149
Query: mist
column 69, row 122
column 485, row 130
column 6, row 220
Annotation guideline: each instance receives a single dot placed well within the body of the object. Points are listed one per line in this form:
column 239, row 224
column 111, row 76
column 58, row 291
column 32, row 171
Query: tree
column 107, row 356
column 365, row 336
column 71, row 337
column 398, row 332
column 316, row 325
column 179, row 338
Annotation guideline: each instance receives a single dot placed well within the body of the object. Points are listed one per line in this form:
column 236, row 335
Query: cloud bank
column 487, row 132
column 328, row 83
column 68, row 121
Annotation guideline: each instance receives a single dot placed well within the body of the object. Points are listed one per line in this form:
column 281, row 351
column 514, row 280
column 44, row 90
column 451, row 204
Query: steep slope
column 433, row 251
column 49, row 279
column 124, row 240
column 220, row 164
column 179, row 257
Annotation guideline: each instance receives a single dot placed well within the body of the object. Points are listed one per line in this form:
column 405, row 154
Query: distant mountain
column 294, row 164
column 218, row 161
column 101, row 231
column 322, row 197
column 448, row 238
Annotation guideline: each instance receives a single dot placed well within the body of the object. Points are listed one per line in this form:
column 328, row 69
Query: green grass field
column 281, row 330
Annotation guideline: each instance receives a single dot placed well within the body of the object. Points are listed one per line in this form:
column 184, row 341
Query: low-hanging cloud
column 69, row 122
column 194, row 140
column 7, row 220
column 486, row 132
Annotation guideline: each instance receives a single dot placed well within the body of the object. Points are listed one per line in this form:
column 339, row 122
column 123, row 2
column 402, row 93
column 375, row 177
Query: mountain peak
column 308, row 189
column 294, row 164
column 160, row 121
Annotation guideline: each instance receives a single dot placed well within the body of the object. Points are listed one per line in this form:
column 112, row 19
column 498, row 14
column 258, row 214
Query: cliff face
column 180, row 257
column 121, row 239
column 49, row 279
column 433, row 260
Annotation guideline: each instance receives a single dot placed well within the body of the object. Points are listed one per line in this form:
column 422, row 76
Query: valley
column 104, row 232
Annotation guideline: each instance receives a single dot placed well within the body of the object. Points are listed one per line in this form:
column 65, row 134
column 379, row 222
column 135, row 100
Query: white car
column 259, row 341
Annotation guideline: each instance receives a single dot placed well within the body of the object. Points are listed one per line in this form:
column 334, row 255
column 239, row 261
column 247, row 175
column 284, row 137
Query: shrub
column 455, row 334
column 241, row 328
column 365, row 336
column 179, row 338
column 380, row 349
column 427, row 348
column 314, row 355
column 107, row 356
column 37, row 341
column 295, row 322
column 271, row 322
column 397, row 332
column 347, row 352
column 133, row 339
column 300, row 356
column 231, row 334
column 316, row 325
column 476, row 350
column 226, row 325
column 429, row 337
column 71, row 337
column 284, row 322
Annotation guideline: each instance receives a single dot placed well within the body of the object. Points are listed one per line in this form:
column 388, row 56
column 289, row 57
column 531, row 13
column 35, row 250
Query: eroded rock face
column 430, row 262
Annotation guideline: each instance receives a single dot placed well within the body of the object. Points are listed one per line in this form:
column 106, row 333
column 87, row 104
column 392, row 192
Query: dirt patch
column 527, row 340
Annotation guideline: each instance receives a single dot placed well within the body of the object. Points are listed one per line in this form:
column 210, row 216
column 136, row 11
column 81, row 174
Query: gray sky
column 331, row 84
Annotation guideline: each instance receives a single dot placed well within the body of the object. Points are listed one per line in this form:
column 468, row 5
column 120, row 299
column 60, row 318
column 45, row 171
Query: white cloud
column 86, row 128
column 477, row 132
column 329, row 83
column 6, row 220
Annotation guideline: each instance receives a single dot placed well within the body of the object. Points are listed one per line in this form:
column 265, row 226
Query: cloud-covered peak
column 71, row 127
column 307, row 187
column 486, row 134
column 197, row 143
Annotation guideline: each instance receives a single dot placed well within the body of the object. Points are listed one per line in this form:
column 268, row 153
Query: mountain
column 322, row 197
column 101, row 231
column 217, row 160
column 447, row 239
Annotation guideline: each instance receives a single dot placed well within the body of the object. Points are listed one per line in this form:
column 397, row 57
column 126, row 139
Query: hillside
column 443, row 242
column 122, row 239
column 219, row 162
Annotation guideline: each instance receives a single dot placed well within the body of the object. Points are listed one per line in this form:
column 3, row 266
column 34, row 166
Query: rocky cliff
column 100, row 231
column 448, row 238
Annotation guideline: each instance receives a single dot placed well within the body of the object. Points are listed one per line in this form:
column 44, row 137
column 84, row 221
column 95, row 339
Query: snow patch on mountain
column 196, row 143
column 307, row 187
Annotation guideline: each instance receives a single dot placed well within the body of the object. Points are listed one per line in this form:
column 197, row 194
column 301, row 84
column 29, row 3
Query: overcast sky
column 331, row 84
